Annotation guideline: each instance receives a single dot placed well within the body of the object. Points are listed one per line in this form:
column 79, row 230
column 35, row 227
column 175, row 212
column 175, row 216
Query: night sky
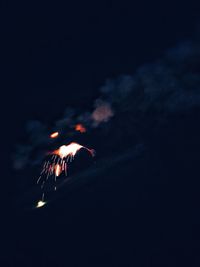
column 136, row 208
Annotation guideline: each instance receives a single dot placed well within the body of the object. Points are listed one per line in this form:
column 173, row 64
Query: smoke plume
column 103, row 112
column 167, row 86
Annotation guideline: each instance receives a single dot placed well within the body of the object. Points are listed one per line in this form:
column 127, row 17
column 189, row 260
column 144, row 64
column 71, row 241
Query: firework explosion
column 149, row 97
column 58, row 164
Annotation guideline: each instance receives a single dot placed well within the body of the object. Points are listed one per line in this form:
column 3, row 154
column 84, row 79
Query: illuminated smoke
column 169, row 85
column 67, row 119
column 102, row 113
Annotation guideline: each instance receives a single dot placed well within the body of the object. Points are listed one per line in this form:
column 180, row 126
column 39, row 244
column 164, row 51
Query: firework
column 58, row 164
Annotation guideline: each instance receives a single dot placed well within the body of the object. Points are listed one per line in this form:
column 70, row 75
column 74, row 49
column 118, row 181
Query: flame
column 68, row 151
column 54, row 135
column 80, row 128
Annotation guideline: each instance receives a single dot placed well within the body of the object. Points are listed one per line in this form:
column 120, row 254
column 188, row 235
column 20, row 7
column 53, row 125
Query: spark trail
column 58, row 164
column 54, row 135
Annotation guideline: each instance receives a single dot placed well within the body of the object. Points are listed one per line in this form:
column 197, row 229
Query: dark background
column 58, row 55
column 141, row 214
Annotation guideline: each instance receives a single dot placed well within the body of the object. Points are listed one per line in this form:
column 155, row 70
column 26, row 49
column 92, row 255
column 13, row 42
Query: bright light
column 54, row 135
column 80, row 128
column 58, row 170
column 58, row 164
column 68, row 151
column 40, row 204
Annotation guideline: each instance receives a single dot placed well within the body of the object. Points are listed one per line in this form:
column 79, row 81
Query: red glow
column 80, row 128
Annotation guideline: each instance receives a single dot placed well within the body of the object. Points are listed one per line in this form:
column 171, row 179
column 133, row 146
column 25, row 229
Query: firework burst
column 58, row 164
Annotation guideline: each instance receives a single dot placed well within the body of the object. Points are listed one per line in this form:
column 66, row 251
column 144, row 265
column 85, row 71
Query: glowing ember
column 58, row 170
column 40, row 204
column 54, row 135
column 80, row 128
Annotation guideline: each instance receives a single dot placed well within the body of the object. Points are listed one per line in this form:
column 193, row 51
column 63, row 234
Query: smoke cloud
column 102, row 113
column 167, row 86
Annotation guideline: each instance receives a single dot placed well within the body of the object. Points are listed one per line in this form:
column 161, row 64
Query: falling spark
column 80, row 128
column 54, row 135
column 58, row 170
column 58, row 164
column 67, row 153
column 40, row 204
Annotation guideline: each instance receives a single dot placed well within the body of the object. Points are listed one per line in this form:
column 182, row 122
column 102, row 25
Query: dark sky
column 56, row 55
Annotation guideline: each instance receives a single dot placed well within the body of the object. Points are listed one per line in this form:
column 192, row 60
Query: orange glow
column 58, row 170
column 80, row 128
column 58, row 164
column 68, row 151
column 54, row 135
